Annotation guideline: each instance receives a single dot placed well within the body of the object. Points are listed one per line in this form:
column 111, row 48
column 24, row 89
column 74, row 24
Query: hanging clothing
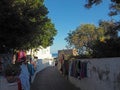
column 78, row 69
column 66, row 67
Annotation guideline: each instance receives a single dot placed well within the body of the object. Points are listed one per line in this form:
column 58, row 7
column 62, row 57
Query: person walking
column 24, row 75
column 31, row 69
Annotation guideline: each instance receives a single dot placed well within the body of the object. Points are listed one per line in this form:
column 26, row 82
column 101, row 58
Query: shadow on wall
column 41, row 64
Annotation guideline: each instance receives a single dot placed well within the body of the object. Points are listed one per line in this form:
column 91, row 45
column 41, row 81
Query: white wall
column 43, row 53
column 42, row 64
column 103, row 74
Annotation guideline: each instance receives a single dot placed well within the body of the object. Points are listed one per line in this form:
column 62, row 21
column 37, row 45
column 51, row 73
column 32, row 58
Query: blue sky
column 67, row 15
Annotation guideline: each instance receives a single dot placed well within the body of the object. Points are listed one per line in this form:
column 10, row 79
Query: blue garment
column 31, row 69
column 24, row 77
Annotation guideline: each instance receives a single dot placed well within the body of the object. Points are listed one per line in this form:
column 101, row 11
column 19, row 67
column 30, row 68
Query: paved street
column 51, row 79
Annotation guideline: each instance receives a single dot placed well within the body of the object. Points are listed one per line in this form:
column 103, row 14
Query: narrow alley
column 51, row 79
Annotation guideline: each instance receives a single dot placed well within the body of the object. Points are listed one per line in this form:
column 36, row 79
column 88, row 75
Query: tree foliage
column 92, row 41
column 24, row 24
column 110, row 29
column 114, row 6
column 101, row 41
column 109, row 48
column 111, row 40
column 84, row 36
column 110, row 45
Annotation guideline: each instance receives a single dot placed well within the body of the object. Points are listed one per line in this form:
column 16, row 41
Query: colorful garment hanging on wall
column 65, row 67
column 78, row 69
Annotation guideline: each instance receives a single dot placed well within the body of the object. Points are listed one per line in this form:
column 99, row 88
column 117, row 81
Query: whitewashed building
column 42, row 53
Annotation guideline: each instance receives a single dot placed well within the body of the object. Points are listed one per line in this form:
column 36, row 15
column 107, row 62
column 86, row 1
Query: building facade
column 42, row 53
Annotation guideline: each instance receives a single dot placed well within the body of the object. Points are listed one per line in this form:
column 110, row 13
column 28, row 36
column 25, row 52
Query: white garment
column 24, row 77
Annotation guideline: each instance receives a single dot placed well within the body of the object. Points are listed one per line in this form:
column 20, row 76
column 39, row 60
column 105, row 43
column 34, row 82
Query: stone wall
column 102, row 74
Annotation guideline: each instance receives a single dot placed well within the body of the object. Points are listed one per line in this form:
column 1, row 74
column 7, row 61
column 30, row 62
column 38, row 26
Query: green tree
column 84, row 36
column 114, row 8
column 110, row 29
column 24, row 24
column 114, row 5
column 109, row 45
column 109, row 48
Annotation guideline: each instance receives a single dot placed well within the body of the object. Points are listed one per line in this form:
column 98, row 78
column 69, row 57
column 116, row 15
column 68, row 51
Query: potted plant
column 11, row 72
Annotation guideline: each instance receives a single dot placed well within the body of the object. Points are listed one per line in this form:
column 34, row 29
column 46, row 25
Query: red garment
column 20, row 55
column 19, row 84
